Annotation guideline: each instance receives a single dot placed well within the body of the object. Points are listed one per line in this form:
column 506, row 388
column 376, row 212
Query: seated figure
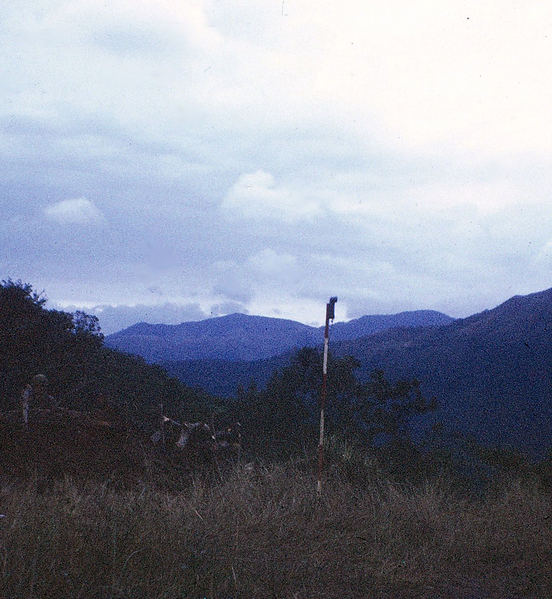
column 35, row 395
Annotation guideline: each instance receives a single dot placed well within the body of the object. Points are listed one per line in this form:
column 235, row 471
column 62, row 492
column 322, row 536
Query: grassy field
column 263, row 532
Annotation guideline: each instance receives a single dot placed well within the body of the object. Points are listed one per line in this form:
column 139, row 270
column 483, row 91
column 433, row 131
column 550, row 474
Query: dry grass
column 264, row 532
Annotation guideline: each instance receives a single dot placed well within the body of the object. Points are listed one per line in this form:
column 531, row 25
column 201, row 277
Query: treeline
column 68, row 349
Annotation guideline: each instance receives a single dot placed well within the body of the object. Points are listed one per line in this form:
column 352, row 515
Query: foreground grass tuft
column 263, row 532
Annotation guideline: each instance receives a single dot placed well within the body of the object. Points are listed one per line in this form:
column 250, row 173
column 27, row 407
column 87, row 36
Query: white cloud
column 468, row 74
column 256, row 196
column 269, row 261
column 115, row 318
column 132, row 22
column 230, row 282
column 76, row 211
column 275, row 268
column 485, row 196
column 471, row 76
column 543, row 258
column 404, row 141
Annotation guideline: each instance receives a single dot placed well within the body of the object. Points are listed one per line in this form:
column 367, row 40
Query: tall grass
column 262, row 532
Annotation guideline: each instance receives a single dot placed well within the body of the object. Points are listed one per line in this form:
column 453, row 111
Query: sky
column 173, row 160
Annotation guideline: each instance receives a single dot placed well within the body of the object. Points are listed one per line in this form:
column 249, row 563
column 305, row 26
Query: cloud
column 471, row 75
column 76, row 211
column 543, row 257
column 226, row 308
column 275, row 268
column 272, row 155
column 255, row 195
column 231, row 282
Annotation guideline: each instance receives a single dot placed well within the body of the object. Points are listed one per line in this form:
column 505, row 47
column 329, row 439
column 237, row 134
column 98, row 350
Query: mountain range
column 242, row 337
column 491, row 373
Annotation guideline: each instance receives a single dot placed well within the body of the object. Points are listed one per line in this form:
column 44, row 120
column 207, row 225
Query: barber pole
column 330, row 315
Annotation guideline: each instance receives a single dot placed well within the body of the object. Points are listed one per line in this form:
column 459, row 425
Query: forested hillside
column 233, row 337
column 491, row 372
column 490, row 375
column 69, row 350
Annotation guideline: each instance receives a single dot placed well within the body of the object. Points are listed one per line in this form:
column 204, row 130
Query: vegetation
column 394, row 519
column 68, row 349
column 263, row 532
column 285, row 415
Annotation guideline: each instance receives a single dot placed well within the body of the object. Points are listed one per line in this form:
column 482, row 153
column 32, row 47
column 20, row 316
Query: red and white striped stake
column 330, row 315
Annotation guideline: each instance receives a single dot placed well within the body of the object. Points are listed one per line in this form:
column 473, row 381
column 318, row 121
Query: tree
column 24, row 325
column 87, row 325
column 69, row 350
column 19, row 298
column 287, row 411
column 386, row 410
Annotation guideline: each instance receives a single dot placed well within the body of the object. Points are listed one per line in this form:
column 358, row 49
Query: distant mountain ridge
column 490, row 372
column 233, row 337
column 368, row 325
column 242, row 337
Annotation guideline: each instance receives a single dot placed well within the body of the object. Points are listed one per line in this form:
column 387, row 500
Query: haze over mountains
column 491, row 372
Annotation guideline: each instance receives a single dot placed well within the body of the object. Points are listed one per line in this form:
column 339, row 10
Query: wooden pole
column 330, row 315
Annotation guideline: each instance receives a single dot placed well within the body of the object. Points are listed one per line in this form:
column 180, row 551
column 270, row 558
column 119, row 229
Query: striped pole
column 330, row 315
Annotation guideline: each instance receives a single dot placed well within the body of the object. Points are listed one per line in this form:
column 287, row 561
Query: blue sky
column 174, row 160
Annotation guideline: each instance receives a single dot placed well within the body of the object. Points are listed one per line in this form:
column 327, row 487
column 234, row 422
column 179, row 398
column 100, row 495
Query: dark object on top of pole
column 330, row 309
column 330, row 315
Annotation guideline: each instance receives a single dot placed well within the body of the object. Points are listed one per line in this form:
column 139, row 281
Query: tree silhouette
column 286, row 413
column 69, row 350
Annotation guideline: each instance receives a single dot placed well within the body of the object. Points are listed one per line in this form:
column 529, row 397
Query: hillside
column 368, row 325
column 222, row 378
column 491, row 372
column 81, row 373
column 239, row 337
column 68, row 443
column 233, row 337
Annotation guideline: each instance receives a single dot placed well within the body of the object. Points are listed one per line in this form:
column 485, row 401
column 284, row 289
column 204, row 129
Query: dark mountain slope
column 491, row 372
column 368, row 325
column 222, row 378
